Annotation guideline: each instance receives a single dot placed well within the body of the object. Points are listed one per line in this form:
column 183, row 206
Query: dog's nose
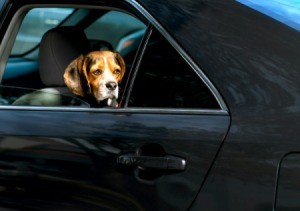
column 111, row 85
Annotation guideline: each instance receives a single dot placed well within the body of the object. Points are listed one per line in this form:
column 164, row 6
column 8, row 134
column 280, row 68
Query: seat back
column 58, row 48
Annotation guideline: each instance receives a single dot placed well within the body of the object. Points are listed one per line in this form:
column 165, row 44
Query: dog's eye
column 97, row 72
column 117, row 71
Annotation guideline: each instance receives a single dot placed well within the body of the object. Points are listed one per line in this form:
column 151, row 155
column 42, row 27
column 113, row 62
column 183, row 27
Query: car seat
column 58, row 48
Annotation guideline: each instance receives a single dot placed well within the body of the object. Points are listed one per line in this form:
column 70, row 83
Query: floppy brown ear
column 74, row 76
column 121, row 62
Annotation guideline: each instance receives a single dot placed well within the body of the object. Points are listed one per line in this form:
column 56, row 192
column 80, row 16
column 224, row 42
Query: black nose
column 111, row 85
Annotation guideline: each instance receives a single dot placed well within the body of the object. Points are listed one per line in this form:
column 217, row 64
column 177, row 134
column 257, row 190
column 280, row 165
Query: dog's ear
column 75, row 76
column 122, row 65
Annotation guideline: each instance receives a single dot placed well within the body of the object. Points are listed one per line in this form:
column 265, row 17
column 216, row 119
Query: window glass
column 35, row 24
column 165, row 80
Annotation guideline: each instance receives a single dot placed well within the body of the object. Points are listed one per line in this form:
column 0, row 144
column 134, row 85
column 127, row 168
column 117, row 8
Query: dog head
column 97, row 74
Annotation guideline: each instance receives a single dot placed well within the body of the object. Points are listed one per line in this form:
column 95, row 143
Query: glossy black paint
column 253, row 61
column 287, row 193
column 83, row 150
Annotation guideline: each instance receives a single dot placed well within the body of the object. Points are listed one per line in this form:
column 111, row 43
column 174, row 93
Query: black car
column 208, row 113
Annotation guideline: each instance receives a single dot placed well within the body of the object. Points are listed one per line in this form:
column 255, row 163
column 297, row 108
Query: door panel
column 70, row 158
column 287, row 190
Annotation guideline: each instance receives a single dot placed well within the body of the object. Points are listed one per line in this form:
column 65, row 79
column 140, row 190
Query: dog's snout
column 111, row 85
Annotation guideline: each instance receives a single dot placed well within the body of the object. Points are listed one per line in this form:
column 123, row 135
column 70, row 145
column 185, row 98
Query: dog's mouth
column 112, row 102
column 105, row 94
column 110, row 99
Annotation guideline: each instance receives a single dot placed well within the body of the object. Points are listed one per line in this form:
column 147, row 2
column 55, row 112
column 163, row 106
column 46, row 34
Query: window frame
column 137, row 10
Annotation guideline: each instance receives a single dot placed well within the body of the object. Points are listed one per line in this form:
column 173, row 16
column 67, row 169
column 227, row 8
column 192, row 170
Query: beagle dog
column 96, row 74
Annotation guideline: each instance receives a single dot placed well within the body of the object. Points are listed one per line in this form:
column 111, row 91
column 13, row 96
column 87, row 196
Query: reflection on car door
column 70, row 158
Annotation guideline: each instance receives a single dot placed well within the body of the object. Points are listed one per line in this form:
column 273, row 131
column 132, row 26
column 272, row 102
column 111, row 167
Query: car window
column 35, row 24
column 122, row 31
column 165, row 80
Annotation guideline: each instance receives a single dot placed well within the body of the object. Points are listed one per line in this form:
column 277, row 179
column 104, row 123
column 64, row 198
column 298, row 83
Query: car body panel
column 287, row 188
column 253, row 60
column 83, row 148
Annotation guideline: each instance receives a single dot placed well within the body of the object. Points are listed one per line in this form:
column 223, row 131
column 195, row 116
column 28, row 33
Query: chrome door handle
column 167, row 162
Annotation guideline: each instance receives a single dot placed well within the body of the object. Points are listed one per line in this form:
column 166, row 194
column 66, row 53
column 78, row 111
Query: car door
column 152, row 153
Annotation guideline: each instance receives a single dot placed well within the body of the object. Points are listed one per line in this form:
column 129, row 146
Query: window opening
column 165, row 80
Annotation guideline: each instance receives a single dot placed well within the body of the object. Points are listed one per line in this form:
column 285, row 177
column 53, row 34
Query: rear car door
column 152, row 153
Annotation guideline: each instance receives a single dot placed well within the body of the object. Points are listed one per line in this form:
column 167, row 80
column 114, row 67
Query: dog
column 97, row 74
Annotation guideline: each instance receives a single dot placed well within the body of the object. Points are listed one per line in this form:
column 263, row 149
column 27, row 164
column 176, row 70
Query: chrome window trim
column 223, row 108
column 131, row 110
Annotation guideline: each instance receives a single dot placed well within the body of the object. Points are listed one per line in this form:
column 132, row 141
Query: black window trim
column 136, row 65
column 223, row 108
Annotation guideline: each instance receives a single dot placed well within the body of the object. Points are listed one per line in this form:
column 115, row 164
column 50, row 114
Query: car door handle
column 167, row 162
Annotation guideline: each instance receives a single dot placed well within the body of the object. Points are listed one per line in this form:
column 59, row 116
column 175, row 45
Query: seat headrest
column 60, row 46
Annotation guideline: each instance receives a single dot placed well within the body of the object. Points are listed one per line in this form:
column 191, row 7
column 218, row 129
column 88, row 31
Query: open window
column 33, row 64
column 157, row 75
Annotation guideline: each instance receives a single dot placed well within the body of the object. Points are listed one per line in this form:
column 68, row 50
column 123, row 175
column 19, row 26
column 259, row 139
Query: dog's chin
column 107, row 97
column 111, row 100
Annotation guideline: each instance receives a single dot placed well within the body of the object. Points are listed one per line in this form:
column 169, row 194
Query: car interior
column 47, row 43
column 49, row 39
